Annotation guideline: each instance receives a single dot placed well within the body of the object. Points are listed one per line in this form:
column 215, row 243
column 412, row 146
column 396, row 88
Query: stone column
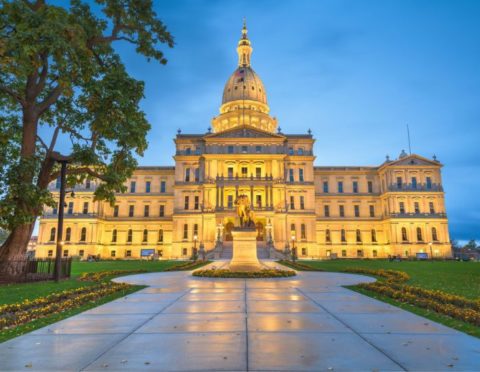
column 251, row 197
column 266, row 189
column 271, row 195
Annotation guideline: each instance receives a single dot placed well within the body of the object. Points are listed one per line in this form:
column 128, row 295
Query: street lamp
column 431, row 253
column 195, row 238
column 294, row 250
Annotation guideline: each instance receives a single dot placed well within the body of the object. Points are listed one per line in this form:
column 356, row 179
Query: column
column 266, row 189
column 236, row 191
column 217, row 196
column 271, row 195
column 222, row 195
column 251, row 197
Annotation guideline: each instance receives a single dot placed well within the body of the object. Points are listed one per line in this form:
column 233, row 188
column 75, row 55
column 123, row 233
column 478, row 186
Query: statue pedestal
column 244, row 250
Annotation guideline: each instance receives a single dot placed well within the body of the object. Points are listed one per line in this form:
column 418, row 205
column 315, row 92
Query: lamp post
column 58, row 255
column 431, row 253
column 195, row 238
column 294, row 250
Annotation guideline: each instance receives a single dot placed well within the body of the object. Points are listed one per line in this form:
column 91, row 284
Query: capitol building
column 320, row 211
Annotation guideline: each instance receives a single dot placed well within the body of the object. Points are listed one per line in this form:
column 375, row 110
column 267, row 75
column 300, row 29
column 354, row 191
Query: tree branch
column 49, row 100
column 13, row 94
column 42, row 142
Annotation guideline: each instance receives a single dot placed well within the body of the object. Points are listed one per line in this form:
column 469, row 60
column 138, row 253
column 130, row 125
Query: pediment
column 244, row 132
column 413, row 159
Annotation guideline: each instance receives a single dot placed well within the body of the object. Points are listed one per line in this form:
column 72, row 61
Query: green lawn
column 461, row 278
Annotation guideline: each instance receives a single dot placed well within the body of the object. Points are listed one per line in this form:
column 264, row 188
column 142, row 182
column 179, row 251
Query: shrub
column 223, row 273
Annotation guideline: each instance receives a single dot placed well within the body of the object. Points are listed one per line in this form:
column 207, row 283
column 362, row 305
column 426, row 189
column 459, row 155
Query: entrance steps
column 227, row 251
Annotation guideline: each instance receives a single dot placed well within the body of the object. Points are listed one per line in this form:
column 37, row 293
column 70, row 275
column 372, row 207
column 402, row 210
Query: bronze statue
column 244, row 212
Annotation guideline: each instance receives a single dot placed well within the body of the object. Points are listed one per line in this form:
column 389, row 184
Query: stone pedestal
column 244, row 250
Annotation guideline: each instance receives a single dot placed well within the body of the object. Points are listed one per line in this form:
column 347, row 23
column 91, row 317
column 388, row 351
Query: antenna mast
column 409, row 143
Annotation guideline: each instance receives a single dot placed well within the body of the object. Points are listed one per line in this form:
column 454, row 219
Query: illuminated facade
column 396, row 208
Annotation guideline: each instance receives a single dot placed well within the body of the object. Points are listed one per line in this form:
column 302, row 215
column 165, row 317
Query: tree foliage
column 59, row 70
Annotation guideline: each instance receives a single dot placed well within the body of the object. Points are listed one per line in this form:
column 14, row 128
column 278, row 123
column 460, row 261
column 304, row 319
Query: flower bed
column 189, row 265
column 223, row 273
column 100, row 275
column 298, row 266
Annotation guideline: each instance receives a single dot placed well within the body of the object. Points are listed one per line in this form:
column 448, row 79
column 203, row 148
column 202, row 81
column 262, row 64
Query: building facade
column 396, row 208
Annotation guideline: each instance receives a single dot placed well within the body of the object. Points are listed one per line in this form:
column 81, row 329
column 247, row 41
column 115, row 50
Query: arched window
column 129, row 236
column 68, row 234
column 292, row 227
column 342, row 236
column 328, row 238
column 419, row 234
column 359, row 236
column 404, row 234
column 303, row 231
column 374, row 236
column 434, row 234
column 114, row 236
column 83, row 234
column 145, row 235
column 160, row 236
column 53, row 233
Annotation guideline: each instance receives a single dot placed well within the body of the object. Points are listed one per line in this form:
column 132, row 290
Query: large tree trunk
column 13, row 251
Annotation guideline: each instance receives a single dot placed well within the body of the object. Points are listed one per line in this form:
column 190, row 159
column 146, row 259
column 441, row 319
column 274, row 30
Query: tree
column 58, row 70
column 471, row 245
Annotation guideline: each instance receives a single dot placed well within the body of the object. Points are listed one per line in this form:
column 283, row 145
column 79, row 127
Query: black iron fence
column 36, row 269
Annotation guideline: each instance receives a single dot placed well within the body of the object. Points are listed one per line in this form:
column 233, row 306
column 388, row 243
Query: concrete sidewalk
column 182, row 323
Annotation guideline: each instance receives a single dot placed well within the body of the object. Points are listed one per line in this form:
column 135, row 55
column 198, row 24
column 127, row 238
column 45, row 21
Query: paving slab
column 295, row 322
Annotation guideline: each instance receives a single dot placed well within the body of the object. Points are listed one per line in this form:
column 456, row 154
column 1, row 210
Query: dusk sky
column 355, row 72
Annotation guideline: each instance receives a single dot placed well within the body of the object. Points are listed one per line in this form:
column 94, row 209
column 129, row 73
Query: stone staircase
column 227, row 251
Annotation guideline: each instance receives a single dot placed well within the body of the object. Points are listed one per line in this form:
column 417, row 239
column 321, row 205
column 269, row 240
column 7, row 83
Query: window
column 230, row 172
column 374, row 236
column 160, row 236
column 258, row 149
column 417, row 207
column 355, row 187
column 184, row 251
column 372, row 210
column 325, row 186
column 370, row 187
column 292, row 228
column 414, row 183
column 81, row 252
column 402, row 207
column 302, row 202
column 292, row 202
column 187, row 202
column 359, row 236
column 432, row 207
column 300, row 151
column 163, row 186
column 290, row 151
column 244, row 172
column 300, row 175
column 419, row 234
column 196, row 202
column 128, row 253
column 328, row 238
column 54, row 210
column 342, row 236
column 113, row 253
column 258, row 172
column 185, row 231
column 187, row 175
column 399, row 182
column 129, row 236
column 344, row 253
column 133, row 186
column 290, row 175
column 148, row 185
column 356, row 209
column 244, row 149
column 341, row 210
column 326, row 210
column 115, row 211
column 197, row 174
column 230, row 149
column 359, row 252
column 303, row 231
column 404, row 235
column 429, row 183
column 88, row 184
column 195, row 230
column 304, row 251
column 162, row 211
column 188, row 151
column 50, row 253
column 114, row 236
column 259, row 201
column 58, row 182
column 83, row 234
column 230, row 201
column 68, row 234
column 340, row 186
column 53, row 233
column 145, row 236
column 131, row 210
column 374, row 253
column 434, row 234
column 65, row 253
column 70, row 208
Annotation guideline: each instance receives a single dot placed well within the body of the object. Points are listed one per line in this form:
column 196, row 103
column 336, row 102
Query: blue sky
column 355, row 72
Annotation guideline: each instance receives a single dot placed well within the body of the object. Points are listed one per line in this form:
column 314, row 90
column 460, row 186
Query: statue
column 244, row 212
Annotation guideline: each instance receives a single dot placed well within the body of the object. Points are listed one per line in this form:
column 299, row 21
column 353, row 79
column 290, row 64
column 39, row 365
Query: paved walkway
column 181, row 323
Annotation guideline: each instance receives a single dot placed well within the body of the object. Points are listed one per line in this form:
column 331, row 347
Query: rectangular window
column 414, row 183
column 303, row 231
column 160, row 236
column 429, row 183
column 70, row 208
column 188, row 151
column 432, row 207
column 197, row 174
column 185, row 231
column 162, row 211
column 402, row 207
column 259, row 201
column 340, row 186
column 258, row 149
column 244, row 172
column 54, row 211
column 244, row 149
column 196, row 202
column 302, row 202
column 325, row 186
column 341, row 210
column 230, row 172
column 399, row 182
column 65, row 253
column 187, row 203
column 133, row 186
column 195, row 230
column 417, row 207
column 344, row 253
column 85, row 207
column 113, row 253
column 355, row 187
column 128, row 253
column 326, row 210
column 131, row 211
column 370, row 187
column 58, row 182
column 50, row 253
column 184, row 251
column 230, row 201
column 187, row 175
column 146, row 211
column 304, row 251
column 372, row 211
column 147, row 186
column 300, row 175
column 356, row 209
column 290, row 175
column 230, row 149
column 81, row 253
column 163, row 186
column 258, row 172
column 292, row 202
column 115, row 211
column 374, row 253
column 290, row 151
column 88, row 184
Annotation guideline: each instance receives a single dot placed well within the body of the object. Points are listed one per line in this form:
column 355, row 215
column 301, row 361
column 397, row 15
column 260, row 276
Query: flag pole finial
column 244, row 48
